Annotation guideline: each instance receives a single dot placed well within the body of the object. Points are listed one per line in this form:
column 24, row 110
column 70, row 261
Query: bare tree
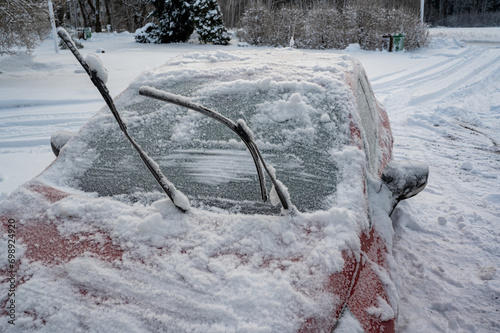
column 232, row 11
column 23, row 24
column 121, row 15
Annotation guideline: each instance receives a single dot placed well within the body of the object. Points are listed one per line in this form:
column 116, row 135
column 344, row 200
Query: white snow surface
column 96, row 65
column 444, row 107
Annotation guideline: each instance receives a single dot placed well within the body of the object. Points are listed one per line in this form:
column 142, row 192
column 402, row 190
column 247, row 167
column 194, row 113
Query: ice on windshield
column 295, row 106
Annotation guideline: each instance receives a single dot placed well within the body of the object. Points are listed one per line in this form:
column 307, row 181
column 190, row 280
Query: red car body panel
column 358, row 285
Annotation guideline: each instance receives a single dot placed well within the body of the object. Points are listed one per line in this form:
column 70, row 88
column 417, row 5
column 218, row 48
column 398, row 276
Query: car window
column 295, row 131
column 367, row 109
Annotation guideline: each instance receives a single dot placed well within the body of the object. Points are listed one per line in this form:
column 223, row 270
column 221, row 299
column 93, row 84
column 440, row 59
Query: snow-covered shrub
column 276, row 28
column 416, row 32
column 326, row 27
column 374, row 22
column 147, row 34
column 62, row 45
column 207, row 20
column 256, row 23
column 288, row 23
column 291, row 25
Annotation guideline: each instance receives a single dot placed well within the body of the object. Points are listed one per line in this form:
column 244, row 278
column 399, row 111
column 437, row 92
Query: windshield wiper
column 240, row 128
column 177, row 197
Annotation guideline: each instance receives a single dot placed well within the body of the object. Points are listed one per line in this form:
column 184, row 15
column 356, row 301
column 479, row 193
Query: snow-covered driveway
column 446, row 112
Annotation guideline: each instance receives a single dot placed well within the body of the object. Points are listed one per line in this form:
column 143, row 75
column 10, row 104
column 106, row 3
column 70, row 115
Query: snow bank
column 16, row 63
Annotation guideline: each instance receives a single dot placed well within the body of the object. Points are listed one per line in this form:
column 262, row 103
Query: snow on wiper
column 241, row 129
column 98, row 75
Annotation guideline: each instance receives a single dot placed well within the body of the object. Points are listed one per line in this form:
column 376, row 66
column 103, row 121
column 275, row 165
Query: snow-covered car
column 94, row 245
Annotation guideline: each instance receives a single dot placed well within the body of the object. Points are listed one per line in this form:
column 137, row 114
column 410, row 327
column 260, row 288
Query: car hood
column 108, row 266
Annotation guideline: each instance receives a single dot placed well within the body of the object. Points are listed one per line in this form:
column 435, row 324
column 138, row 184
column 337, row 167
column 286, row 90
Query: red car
column 93, row 244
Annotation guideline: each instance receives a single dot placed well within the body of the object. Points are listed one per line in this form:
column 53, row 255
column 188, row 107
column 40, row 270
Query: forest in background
column 24, row 22
column 436, row 12
column 130, row 15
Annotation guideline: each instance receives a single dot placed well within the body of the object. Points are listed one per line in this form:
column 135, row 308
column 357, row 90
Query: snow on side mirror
column 58, row 140
column 405, row 179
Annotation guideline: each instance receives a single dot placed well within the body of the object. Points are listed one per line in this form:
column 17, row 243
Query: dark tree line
column 169, row 17
column 23, row 23
column 463, row 12
column 134, row 14
column 437, row 12
column 120, row 15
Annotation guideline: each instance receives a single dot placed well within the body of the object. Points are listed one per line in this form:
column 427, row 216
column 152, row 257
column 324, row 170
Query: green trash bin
column 399, row 42
column 87, row 33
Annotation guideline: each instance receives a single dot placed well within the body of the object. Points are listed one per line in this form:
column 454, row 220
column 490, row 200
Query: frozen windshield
column 296, row 125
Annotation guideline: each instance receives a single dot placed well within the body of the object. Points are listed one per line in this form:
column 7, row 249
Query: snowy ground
column 444, row 106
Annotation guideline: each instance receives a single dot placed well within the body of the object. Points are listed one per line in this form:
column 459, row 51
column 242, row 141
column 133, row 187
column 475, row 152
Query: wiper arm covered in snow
column 177, row 197
column 240, row 128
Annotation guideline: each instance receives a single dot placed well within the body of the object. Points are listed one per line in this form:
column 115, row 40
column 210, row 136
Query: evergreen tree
column 177, row 20
column 207, row 20
column 174, row 23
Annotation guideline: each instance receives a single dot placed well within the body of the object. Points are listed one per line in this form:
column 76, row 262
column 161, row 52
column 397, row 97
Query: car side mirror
column 58, row 140
column 405, row 179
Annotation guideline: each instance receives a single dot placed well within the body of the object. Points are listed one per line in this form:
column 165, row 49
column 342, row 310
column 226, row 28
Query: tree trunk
column 84, row 13
column 92, row 13
column 109, row 18
column 98, row 26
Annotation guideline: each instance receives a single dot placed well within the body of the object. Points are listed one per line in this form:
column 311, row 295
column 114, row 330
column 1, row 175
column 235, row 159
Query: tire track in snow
column 443, row 78
column 23, row 103
column 446, row 237
column 465, row 77
column 27, row 126
column 416, row 77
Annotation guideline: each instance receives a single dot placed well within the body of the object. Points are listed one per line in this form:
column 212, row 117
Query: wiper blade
column 178, row 198
column 240, row 128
